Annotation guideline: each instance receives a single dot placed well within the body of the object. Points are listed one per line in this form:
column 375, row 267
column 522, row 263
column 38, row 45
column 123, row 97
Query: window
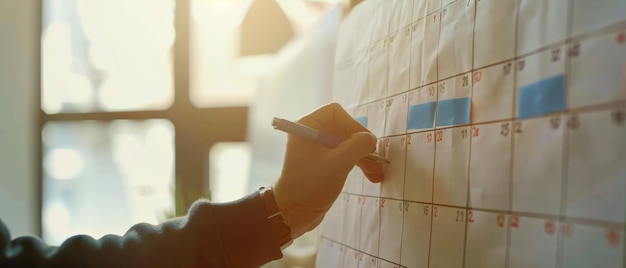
column 129, row 119
column 121, row 140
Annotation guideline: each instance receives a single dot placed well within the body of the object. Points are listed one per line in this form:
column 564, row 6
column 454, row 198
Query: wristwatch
column 276, row 218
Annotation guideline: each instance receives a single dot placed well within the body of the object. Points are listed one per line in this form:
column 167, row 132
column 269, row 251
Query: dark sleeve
column 235, row 234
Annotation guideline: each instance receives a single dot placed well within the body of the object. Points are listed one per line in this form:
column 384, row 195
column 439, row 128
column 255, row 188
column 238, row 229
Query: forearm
column 212, row 235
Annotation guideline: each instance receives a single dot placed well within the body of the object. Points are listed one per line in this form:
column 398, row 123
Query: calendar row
column 499, row 16
column 550, row 80
column 580, row 173
column 411, row 234
column 489, row 30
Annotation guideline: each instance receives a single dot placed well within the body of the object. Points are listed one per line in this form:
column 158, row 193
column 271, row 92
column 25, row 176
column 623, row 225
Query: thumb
column 354, row 148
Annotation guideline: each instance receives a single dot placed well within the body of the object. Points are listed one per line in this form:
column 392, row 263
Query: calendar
column 504, row 122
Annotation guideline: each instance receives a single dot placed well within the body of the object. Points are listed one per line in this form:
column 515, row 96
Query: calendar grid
column 563, row 117
column 562, row 218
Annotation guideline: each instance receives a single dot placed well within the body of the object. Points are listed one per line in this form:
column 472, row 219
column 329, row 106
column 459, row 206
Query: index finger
column 333, row 119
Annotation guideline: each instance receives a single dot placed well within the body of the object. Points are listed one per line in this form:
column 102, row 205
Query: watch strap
column 281, row 229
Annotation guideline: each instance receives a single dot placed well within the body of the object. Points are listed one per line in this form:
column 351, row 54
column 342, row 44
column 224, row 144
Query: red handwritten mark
column 568, row 230
column 356, row 255
column 514, row 222
column 477, row 76
column 549, row 227
column 613, row 237
column 470, row 216
column 621, row 38
column 500, row 220
column 439, row 135
column 382, row 203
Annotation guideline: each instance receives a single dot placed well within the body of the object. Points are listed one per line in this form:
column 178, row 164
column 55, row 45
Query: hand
column 313, row 175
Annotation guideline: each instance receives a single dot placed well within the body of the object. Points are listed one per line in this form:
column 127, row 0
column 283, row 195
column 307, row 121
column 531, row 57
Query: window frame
column 196, row 129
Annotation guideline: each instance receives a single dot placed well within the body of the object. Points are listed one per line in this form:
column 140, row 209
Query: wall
column 19, row 65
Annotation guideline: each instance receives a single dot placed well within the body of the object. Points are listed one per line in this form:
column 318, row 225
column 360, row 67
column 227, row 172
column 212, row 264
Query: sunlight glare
column 64, row 164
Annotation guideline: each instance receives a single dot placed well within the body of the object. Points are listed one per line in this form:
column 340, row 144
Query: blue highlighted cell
column 421, row 116
column 453, row 112
column 541, row 98
column 362, row 120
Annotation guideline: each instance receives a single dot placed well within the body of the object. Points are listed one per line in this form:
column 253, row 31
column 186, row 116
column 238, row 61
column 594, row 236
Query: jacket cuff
column 244, row 231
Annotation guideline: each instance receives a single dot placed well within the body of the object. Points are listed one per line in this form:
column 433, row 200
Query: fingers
column 372, row 170
column 354, row 148
column 333, row 119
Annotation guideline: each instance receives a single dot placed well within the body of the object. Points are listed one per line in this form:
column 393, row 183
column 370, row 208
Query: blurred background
column 114, row 112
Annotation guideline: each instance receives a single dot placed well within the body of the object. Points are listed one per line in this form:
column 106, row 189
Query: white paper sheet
column 505, row 124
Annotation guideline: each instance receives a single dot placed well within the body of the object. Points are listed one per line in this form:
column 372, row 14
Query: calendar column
column 416, row 229
column 486, row 240
column 399, row 60
column 397, row 111
column 401, row 15
column 369, row 261
column 394, row 146
column 493, row 93
column 344, row 91
column 417, row 61
column 456, row 44
column 533, row 242
column 370, row 225
column 351, row 224
column 429, row 55
column 361, row 65
column 591, row 16
column 596, row 187
column 540, row 130
column 448, row 237
column 350, row 258
column 490, row 166
column 592, row 246
column 377, row 69
column 395, row 152
column 420, row 160
column 391, row 214
column 354, row 181
column 452, row 143
column 537, row 180
column 540, row 24
column 490, row 159
column 597, row 70
column 419, row 10
column 331, row 252
column 494, row 32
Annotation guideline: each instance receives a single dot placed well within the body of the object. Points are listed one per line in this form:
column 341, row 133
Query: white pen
column 316, row 136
